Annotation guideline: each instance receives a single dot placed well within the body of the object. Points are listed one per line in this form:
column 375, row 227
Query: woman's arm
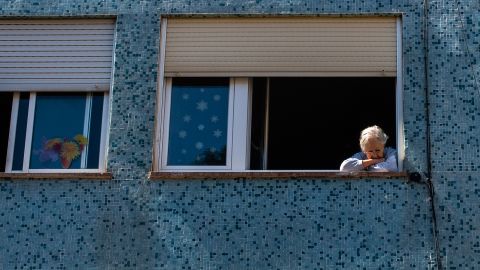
column 357, row 164
column 351, row 165
column 389, row 165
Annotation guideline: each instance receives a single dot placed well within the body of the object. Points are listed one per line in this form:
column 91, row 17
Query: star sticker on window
column 202, row 105
column 187, row 118
column 199, row 145
column 182, row 134
column 217, row 133
column 214, row 119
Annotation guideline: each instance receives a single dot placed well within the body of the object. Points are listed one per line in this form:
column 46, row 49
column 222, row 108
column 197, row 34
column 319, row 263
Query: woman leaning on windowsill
column 375, row 156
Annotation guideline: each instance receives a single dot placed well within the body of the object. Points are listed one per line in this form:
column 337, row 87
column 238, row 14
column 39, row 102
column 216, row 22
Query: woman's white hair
column 372, row 132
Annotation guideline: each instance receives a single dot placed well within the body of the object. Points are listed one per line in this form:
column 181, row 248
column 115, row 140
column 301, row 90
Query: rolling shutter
column 56, row 55
column 300, row 46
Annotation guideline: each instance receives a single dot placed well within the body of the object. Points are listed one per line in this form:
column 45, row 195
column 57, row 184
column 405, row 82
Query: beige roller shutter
column 56, row 55
column 300, row 46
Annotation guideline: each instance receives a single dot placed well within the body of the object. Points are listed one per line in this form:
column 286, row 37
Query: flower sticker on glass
column 66, row 150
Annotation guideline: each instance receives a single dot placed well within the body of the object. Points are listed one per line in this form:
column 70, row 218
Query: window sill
column 275, row 175
column 64, row 176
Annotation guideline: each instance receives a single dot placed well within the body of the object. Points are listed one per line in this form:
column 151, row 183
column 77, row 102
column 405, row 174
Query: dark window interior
column 95, row 131
column 315, row 123
column 5, row 113
column 21, row 131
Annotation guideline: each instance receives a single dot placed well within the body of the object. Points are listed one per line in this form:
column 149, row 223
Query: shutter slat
column 286, row 41
column 53, row 37
column 54, row 32
column 305, row 60
column 277, row 30
column 59, row 66
column 56, row 55
column 55, row 85
column 55, row 70
column 44, row 43
column 56, row 48
column 352, row 52
column 288, row 44
column 314, row 46
column 271, row 38
column 65, row 75
column 289, row 73
column 297, row 66
column 64, row 26
column 90, row 53
column 65, row 59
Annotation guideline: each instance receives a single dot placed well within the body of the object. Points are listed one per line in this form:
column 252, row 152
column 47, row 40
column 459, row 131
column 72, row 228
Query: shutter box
column 56, row 54
column 281, row 46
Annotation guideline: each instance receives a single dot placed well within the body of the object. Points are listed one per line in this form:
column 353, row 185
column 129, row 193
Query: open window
column 313, row 123
column 296, row 91
column 54, row 95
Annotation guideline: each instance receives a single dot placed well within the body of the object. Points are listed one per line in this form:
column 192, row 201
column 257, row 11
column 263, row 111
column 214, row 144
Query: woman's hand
column 369, row 162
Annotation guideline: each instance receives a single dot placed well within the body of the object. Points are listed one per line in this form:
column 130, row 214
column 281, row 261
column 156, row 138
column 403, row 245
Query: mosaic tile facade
column 134, row 223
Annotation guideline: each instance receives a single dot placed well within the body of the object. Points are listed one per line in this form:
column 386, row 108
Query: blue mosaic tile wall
column 133, row 223
column 455, row 98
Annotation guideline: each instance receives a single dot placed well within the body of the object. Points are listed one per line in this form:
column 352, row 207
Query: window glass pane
column 95, row 131
column 21, row 132
column 258, row 126
column 198, row 122
column 57, row 141
column 5, row 112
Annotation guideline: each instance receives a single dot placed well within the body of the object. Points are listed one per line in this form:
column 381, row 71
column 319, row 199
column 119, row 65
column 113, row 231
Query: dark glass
column 58, row 117
column 257, row 146
column 198, row 122
column 5, row 113
column 21, row 132
column 95, row 131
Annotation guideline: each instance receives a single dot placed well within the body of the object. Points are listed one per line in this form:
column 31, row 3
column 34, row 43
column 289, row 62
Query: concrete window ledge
column 60, row 176
column 276, row 175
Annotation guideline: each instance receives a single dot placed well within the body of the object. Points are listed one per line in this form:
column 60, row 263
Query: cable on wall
column 428, row 174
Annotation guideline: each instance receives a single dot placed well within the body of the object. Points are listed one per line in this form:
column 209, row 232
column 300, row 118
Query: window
column 197, row 123
column 205, row 124
column 54, row 131
column 292, row 123
column 55, row 80
column 294, row 97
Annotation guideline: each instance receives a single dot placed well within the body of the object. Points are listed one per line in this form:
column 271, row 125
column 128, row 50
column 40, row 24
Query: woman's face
column 373, row 148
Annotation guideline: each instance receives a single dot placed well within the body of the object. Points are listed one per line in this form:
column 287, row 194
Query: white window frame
column 399, row 99
column 29, row 134
column 242, row 112
column 237, row 128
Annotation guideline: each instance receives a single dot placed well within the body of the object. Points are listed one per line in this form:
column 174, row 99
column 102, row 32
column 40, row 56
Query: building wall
column 454, row 104
column 131, row 222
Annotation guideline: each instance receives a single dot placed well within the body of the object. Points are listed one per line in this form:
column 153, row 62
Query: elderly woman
column 375, row 156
